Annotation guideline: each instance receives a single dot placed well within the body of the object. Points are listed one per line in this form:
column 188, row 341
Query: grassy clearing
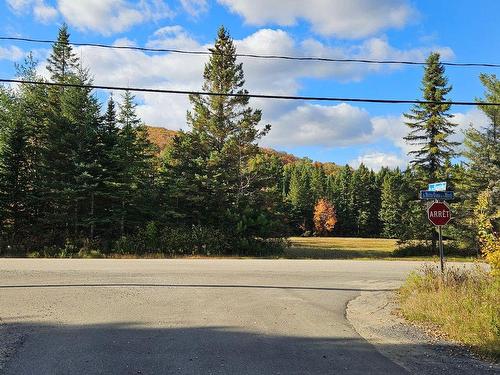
column 464, row 305
column 340, row 247
column 352, row 248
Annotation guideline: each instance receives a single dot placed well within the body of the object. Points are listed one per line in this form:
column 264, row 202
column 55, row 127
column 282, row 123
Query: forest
column 79, row 175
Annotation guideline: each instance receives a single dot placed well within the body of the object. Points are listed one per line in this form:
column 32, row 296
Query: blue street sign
column 438, row 195
column 437, row 186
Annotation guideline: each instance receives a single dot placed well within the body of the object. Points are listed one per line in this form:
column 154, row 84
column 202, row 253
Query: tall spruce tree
column 429, row 123
column 210, row 164
column 62, row 62
column 430, row 128
column 135, row 154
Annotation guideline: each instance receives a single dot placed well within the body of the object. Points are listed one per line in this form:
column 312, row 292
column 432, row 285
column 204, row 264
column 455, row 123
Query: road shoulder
column 372, row 315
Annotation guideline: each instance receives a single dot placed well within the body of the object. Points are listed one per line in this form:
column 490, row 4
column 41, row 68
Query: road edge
column 372, row 314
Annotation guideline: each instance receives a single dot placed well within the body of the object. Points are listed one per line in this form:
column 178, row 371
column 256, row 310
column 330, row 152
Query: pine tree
column 429, row 123
column 361, row 197
column 299, row 195
column 483, row 158
column 135, row 155
column 213, row 158
column 395, row 199
column 22, row 137
column 483, row 146
column 62, row 62
column 317, row 183
column 342, row 199
column 430, row 127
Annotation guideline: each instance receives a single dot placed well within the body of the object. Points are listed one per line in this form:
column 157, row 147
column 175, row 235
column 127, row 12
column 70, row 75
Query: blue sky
column 461, row 30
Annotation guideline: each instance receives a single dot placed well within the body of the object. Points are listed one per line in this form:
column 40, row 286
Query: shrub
column 489, row 240
column 424, row 248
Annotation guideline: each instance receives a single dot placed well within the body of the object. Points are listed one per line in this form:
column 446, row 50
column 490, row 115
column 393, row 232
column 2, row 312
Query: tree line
column 77, row 175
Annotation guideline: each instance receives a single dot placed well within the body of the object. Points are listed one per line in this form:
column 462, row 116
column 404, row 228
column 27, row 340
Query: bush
column 195, row 240
column 489, row 240
column 463, row 303
column 424, row 248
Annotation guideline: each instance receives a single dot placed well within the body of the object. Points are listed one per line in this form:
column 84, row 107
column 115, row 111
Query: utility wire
column 256, row 56
column 247, row 95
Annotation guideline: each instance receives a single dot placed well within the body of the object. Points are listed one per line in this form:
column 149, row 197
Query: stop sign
column 439, row 213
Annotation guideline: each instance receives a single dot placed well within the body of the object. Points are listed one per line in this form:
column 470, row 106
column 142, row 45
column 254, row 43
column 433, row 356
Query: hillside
column 162, row 137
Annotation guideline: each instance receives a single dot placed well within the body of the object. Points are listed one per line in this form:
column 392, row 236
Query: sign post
column 441, row 250
column 439, row 214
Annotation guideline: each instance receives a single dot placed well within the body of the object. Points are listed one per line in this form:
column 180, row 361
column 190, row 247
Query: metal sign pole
column 441, row 251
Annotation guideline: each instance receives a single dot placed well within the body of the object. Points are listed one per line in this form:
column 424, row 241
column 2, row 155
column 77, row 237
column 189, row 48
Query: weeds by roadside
column 464, row 304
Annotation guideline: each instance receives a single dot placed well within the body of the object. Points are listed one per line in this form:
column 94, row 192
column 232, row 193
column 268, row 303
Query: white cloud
column 194, row 7
column 112, row 16
column 377, row 160
column 472, row 118
column 11, row 53
column 173, row 37
column 318, row 125
column 286, row 73
column 42, row 12
column 346, row 19
column 393, row 128
column 19, row 5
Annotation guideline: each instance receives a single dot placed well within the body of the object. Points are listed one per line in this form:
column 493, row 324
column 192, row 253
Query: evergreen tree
column 482, row 150
column 210, row 164
column 62, row 62
column 317, row 182
column 430, row 127
column 395, row 198
column 342, row 199
column 135, row 177
column 22, row 137
column 483, row 146
column 375, row 189
column 429, row 123
column 299, row 195
column 361, row 197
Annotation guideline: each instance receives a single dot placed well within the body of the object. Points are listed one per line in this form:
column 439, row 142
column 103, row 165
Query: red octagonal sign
column 439, row 213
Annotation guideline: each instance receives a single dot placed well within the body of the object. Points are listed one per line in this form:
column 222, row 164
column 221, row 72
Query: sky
column 344, row 133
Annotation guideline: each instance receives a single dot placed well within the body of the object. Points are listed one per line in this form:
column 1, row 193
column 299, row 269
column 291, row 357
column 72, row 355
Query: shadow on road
column 149, row 285
column 130, row 349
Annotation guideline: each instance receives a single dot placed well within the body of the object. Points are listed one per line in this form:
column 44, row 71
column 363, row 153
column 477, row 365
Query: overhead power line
column 259, row 96
column 256, row 56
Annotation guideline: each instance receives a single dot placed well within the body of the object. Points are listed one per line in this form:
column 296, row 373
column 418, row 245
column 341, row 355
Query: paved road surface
column 190, row 316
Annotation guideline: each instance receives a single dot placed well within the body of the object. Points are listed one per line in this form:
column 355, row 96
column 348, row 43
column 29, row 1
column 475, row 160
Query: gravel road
column 207, row 316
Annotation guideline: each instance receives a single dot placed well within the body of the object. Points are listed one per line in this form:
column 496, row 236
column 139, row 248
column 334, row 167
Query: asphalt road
column 189, row 316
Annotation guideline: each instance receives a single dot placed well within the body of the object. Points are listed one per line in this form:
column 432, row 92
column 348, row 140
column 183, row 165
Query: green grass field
column 340, row 247
column 351, row 248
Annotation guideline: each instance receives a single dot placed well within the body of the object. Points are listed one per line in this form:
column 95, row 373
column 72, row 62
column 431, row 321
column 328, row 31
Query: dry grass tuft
column 464, row 304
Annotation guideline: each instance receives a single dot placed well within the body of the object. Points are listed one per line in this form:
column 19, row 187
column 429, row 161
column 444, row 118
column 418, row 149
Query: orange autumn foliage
column 324, row 217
